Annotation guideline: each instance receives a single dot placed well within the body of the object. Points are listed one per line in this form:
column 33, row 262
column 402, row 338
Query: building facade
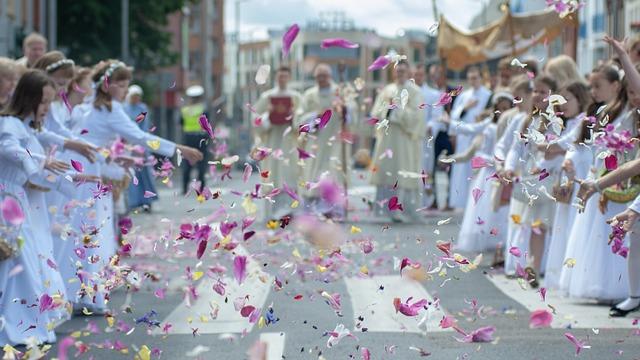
column 306, row 53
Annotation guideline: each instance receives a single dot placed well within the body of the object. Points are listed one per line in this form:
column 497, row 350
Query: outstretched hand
column 628, row 218
column 192, row 155
column 618, row 46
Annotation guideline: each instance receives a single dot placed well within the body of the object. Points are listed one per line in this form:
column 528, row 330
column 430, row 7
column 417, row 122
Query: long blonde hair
column 563, row 69
column 102, row 74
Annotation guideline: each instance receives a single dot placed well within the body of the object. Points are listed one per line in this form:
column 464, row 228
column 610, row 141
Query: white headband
column 107, row 74
column 53, row 67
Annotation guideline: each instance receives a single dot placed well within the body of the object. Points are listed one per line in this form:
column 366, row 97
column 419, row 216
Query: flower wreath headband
column 58, row 64
column 107, row 74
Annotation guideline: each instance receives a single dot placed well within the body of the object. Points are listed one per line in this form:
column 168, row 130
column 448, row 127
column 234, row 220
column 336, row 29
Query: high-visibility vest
column 190, row 118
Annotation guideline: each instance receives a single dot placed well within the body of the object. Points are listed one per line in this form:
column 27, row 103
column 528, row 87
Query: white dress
column 23, row 277
column 582, row 158
column 482, row 229
column 95, row 216
column 598, row 273
column 524, row 156
column 460, row 173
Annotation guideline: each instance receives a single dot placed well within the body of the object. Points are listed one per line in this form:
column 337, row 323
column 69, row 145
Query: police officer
column 194, row 135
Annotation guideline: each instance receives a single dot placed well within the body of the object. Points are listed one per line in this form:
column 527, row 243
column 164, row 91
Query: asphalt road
column 291, row 277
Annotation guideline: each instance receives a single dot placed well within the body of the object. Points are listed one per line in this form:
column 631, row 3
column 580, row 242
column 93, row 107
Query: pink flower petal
column 338, row 42
column 247, row 310
column 248, row 169
column 303, row 154
column 77, row 165
column 202, row 246
column 611, row 162
column 540, row 319
column 543, row 293
column 394, row 205
column 366, row 354
column 64, row 346
column 476, row 193
column 483, row 334
column 324, row 119
column 148, row 194
column 380, row 63
column 579, row 344
column 515, row 251
column 46, row 303
column 288, row 38
column 205, row 126
column 11, row 211
column 240, row 268
column 478, row 162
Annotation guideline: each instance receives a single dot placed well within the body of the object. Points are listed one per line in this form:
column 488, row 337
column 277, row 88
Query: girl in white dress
column 605, row 84
column 96, row 243
column 598, row 272
column 577, row 161
column 27, row 276
column 481, row 228
column 55, row 133
column 543, row 86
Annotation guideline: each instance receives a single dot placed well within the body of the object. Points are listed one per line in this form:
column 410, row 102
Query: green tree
column 89, row 31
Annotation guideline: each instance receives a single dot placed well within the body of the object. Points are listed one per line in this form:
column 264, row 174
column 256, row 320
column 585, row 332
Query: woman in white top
column 96, row 243
column 481, row 228
column 577, row 160
column 543, row 86
column 598, row 272
column 55, row 132
column 25, row 172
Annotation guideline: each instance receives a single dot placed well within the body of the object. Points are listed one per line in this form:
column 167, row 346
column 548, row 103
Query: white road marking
column 256, row 286
column 583, row 314
column 376, row 306
column 275, row 345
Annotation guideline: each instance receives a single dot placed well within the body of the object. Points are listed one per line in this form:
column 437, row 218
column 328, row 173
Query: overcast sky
column 386, row 16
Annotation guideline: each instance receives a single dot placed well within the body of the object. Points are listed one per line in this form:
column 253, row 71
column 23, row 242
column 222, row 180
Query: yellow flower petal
column 355, row 229
column 516, row 219
column 321, row 268
column 364, row 269
column 197, row 275
column 295, row 204
column 154, row 144
column 272, row 224
column 248, row 206
column 144, row 353
column 296, row 253
column 570, row 262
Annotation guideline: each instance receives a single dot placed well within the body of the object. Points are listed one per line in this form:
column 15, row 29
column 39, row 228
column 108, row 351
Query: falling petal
column 611, row 162
column 324, row 119
column 515, row 251
column 394, row 205
column 202, row 246
column 262, row 75
column 540, row 319
column 148, row 194
column 205, row 126
column 77, row 165
column 380, row 63
column 11, row 211
column 248, row 169
column 478, row 162
column 288, row 38
column 404, row 98
column 579, row 345
column 240, row 268
column 476, row 193
column 338, row 42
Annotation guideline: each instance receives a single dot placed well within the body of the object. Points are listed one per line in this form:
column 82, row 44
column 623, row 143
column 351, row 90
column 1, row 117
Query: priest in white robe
column 467, row 106
column 276, row 130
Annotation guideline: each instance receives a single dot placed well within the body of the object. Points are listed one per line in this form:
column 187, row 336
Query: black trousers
column 198, row 141
column 441, row 144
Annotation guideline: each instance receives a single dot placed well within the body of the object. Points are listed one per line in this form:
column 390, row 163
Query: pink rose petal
column 240, row 268
column 288, row 38
column 540, row 319
column 380, row 63
column 77, row 165
column 338, row 42
column 11, row 211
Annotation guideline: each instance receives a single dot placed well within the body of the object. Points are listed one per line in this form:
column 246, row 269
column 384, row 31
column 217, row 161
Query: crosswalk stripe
column 376, row 306
column 576, row 313
column 256, row 286
column 275, row 345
